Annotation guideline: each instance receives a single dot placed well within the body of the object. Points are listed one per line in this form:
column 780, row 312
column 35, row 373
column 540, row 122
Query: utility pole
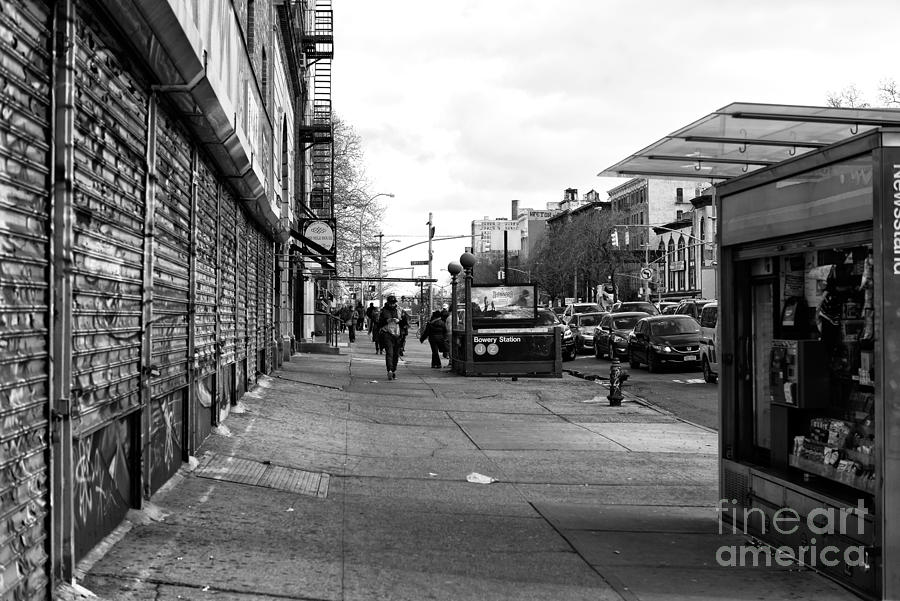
column 430, row 287
column 380, row 236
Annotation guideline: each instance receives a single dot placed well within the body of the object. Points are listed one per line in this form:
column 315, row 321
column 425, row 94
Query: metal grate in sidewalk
column 246, row 471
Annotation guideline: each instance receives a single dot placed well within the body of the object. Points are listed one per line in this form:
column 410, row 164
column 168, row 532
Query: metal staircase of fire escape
column 318, row 49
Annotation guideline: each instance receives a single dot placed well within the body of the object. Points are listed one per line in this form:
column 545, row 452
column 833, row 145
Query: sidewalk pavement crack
column 159, row 583
column 567, row 420
column 614, row 583
column 306, row 382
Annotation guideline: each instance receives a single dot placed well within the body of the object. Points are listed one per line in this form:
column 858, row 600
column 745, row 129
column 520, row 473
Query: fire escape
column 317, row 44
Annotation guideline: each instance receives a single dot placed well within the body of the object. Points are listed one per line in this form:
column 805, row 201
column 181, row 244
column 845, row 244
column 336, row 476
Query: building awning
column 743, row 137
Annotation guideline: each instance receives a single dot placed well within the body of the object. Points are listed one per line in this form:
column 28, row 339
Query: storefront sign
column 513, row 347
column 895, row 217
column 676, row 266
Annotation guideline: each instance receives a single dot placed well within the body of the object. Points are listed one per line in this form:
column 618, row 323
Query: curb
column 639, row 400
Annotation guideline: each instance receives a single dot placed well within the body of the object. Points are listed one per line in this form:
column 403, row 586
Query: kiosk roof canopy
column 743, row 137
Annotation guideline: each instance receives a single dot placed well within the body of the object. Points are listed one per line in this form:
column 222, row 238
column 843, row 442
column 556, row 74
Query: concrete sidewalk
column 338, row 484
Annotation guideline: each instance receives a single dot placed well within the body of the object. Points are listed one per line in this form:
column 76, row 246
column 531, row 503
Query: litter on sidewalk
column 477, row 478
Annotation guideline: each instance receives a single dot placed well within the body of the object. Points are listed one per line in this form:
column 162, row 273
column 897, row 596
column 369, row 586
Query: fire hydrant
column 615, row 382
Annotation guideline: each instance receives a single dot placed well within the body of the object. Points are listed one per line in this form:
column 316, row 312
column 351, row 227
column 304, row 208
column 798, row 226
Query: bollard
column 615, row 382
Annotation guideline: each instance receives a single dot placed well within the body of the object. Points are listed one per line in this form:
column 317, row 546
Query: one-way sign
column 418, row 262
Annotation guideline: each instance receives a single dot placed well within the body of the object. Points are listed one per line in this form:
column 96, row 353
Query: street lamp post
column 455, row 269
column 467, row 260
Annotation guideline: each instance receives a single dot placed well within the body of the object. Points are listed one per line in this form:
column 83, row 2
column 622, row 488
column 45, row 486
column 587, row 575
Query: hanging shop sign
column 319, row 233
column 317, row 242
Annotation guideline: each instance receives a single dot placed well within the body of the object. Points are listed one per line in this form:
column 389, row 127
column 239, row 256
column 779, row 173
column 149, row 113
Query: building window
column 703, row 228
column 682, row 264
column 670, row 257
column 251, row 25
column 679, row 215
column 265, row 78
column 679, row 194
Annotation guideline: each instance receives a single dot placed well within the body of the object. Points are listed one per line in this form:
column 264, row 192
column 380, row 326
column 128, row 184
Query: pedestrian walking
column 436, row 334
column 404, row 330
column 361, row 316
column 351, row 325
column 344, row 315
column 389, row 335
column 445, row 315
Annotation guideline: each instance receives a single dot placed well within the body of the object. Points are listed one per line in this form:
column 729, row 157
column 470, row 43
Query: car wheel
column 708, row 375
column 652, row 363
column 634, row 363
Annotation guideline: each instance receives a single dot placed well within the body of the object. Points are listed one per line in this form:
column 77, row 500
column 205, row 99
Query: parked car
column 546, row 317
column 709, row 341
column 583, row 326
column 670, row 310
column 576, row 308
column 692, row 307
column 629, row 306
column 664, row 339
column 611, row 336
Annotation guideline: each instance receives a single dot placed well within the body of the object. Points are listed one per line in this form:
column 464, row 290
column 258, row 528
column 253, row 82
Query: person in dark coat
column 404, row 330
column 436, row 333
column 389, row 335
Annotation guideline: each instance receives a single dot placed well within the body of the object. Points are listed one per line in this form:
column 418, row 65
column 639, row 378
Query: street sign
column 646, row 273
column 418, row 262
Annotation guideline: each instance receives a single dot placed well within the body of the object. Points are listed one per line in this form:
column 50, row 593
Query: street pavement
column 337, row 484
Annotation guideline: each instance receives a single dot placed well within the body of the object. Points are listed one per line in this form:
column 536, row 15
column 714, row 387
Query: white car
column 709, row 341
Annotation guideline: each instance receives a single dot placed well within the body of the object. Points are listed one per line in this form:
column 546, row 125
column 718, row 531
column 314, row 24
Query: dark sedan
column 611, row 336
column 665, row 339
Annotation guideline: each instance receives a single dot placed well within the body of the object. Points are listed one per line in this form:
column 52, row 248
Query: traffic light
column 431, row 232
column 614, row 238
column 627, row 238
column 372, row 288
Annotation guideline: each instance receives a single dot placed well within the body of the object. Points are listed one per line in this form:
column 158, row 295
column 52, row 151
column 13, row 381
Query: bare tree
column 357, row 211
column 888, row 93
column 849, row 97
column 581, row 246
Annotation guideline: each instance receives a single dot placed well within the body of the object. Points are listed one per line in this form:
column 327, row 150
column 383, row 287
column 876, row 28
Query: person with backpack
column 389, row 335
column 436, row 333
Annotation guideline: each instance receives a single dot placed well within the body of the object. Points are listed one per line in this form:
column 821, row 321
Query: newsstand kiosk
column 809, row 311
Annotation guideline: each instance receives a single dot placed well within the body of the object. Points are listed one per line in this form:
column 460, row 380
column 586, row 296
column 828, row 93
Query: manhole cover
column 246, row 471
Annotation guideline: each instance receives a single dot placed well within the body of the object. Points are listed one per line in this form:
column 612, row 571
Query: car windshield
column 589, row 320
column 584, row 308
column 666, row 327
column 625, row 323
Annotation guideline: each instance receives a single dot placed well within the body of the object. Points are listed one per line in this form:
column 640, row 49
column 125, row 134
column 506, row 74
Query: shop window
column 814, row 371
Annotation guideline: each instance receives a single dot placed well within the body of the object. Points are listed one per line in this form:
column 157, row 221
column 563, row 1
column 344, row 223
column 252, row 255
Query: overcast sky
column 463, row 106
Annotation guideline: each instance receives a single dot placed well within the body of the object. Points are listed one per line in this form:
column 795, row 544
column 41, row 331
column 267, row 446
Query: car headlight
column 616, row 338
column 663, row 348
column 568, row 334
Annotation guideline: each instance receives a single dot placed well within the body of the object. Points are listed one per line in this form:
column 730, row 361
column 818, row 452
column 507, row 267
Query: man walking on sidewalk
column 389, row 335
